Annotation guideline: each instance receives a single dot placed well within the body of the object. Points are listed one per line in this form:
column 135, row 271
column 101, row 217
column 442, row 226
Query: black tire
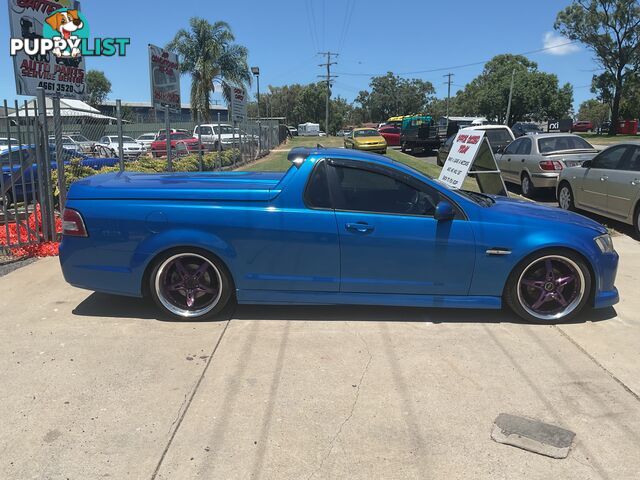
column 8, row 199
column 528, row 190
column 216, row 276
column 517, row 293
column 439, row 162
column 636, row 221
column 403, row 147
column 565, row 197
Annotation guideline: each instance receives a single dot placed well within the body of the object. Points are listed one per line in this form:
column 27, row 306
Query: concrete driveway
column 93, row 386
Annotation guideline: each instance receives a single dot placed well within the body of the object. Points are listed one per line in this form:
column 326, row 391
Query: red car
column 391, row 134
column 584, row 126
column 180, row 142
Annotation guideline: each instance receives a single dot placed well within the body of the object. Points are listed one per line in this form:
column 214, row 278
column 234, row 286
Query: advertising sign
column 164, row 70
column 471, row 155
column 46, row 51
column 238, row 104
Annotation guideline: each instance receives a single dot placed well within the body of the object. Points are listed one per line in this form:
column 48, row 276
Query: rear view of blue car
column 339, row 227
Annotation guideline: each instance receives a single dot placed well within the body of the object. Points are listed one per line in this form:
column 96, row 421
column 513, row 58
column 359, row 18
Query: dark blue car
column 23, row 157
column 339, row 227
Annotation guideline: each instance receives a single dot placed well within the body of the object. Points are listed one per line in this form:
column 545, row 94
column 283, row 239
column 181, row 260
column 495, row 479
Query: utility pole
column 448, row 82
column 329, row 78
column 513, row 74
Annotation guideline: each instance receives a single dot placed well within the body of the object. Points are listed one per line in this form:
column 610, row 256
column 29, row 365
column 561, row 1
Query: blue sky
column 284, row 36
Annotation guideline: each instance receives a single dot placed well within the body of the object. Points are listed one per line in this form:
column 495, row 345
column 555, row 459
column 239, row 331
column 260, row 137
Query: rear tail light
column 73, row 224
column 550, row 165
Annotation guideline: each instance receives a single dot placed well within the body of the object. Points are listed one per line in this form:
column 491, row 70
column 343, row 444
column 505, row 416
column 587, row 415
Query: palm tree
column 208, row 53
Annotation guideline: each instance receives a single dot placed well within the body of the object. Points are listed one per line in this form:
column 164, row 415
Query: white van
column 214, row 133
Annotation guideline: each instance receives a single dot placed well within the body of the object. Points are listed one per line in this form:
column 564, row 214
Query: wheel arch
column 546, row 250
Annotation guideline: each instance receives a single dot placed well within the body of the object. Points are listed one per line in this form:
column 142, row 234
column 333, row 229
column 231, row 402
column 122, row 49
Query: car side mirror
column 444, row 211
column 586, row 164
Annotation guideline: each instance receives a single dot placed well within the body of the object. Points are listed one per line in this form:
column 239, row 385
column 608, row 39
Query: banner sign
column 238, row 104
column 38, row 61
column 164, row 70
column 471, row 155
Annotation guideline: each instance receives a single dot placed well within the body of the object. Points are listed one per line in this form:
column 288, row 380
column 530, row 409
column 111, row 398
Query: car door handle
column 522, row 160
column 359, row 227
column 604, row 178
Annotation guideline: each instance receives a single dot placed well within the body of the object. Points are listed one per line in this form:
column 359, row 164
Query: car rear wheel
column 549, row 286
column 528, row 190
column 190, row 285
column 7, row 199
column 636, row 222
column 565, row 197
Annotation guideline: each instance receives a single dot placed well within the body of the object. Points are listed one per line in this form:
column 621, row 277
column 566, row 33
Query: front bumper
column 372, row 148
column 606, row 268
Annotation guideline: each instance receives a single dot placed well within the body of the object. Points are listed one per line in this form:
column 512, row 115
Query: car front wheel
column 190, row 285
column 565, row 197
column 528, row 190
column 549, row 286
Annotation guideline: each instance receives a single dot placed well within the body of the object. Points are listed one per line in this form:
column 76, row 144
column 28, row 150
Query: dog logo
column 69, row 26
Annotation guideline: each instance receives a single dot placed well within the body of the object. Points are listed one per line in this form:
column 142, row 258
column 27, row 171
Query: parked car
column 146, row 139
column 499, row 137
column 364, row 229
column 130, row 148
column 582, row 126
column 366, row 139
column 211, row 134
column 343, row 132
column 391, row 134
column 23, row 187
column 524, row 128
column 4, row 141
column 536, row 161
column 604, row 128
column 172, row 130
column 608, row 185
column 75, row 142
column 419, row 133
column 179, row 142
column 293, row 131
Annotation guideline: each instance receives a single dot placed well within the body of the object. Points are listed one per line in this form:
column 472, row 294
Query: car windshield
column 366, row 133
column 566, row 142
column 179, row 136
column 224, row 129
column 79, row 138
column 498, row 136
column 127, row 139
column 530, row 127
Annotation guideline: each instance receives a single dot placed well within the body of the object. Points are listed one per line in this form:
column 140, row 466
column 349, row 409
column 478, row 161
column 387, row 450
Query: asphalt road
column 94, row 386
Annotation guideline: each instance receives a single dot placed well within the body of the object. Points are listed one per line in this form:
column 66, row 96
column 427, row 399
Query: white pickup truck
column 212, row 134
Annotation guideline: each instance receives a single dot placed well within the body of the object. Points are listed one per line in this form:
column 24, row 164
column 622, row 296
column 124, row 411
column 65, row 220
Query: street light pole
column 513, row 74
column 256, row 72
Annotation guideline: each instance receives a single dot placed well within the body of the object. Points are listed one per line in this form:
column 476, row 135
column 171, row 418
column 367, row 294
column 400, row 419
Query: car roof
column 556, row 134
column 486, row 127
column 363, row 128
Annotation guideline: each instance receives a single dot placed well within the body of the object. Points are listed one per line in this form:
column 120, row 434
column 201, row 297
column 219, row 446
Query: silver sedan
column 535, row 161
column 608, row 185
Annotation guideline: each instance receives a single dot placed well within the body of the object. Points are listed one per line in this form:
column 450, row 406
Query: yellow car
column 367, row 139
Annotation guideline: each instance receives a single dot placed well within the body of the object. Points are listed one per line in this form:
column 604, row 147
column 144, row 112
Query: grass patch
column 276, row 160
column 606, row 139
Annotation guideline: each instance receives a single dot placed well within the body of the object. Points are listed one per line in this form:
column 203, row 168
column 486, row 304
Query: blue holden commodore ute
column 339, row 227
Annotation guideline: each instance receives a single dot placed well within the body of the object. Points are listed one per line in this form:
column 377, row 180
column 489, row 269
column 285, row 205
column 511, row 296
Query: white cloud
column 558, row 45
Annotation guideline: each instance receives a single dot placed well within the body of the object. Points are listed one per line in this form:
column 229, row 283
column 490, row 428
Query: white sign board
column 238, row 104
column 463, row 151
column 56, row 75
column 164, row 69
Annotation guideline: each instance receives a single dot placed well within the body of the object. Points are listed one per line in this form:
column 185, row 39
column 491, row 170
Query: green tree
column 392, row 95
column 536, row 94
column 98, row 87
column 207, row 53
column 594, row 111
column 611, row 29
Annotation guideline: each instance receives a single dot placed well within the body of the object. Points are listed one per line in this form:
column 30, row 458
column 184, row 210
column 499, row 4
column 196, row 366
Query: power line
column 473, row 64
column 329, row 78
column 312, row 26
column 350, row 7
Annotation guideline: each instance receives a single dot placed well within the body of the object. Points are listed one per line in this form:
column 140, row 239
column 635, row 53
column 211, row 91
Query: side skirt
column 277, row 297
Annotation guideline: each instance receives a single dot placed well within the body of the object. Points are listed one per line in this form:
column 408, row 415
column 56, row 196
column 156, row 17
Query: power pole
column 448, row 82
column 329, row 78
column 513, row 74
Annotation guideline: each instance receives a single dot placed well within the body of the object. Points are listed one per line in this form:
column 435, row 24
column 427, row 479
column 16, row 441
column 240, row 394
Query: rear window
column 498, row 136
column 556, row 144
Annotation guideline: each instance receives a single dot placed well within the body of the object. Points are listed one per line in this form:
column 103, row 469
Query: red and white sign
column 164, row 69
column 238, row 104
column 463, row 152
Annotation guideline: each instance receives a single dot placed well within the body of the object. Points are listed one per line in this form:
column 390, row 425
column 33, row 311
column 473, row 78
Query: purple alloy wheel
column 551, row 287
column 188, row 284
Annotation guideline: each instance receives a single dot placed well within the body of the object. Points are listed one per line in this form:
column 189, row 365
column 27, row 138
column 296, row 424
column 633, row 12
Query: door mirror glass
column 586, row 164
column 444, row 211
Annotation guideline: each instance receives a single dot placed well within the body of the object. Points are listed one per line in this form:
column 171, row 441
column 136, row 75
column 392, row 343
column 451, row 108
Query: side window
column 449, row 141
column 366, row 191
column 316, row 195
column 610, row 158
column 207, row 131
column 513, row 147
column 525, row 147
column 632, row 161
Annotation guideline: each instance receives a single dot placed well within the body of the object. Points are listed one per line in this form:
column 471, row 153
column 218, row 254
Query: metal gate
column 27, row 158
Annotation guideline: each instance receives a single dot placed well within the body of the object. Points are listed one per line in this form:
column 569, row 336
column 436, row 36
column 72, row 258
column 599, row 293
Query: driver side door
column 389, row 241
